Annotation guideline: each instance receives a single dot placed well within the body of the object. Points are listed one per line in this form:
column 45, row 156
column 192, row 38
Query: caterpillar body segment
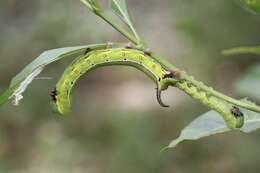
column 108, row 57
column 232, row 115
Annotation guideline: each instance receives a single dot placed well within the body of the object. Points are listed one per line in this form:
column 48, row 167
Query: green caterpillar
column 232, row 115
column 98, row 58
column 142, row 61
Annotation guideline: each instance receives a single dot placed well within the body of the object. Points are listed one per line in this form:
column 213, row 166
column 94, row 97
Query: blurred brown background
column 116, row 125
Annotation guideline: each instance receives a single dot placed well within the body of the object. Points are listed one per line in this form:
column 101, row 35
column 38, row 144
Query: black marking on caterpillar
column 236, row 112
column 53, row 95
column 87, row 51
column 148, row 52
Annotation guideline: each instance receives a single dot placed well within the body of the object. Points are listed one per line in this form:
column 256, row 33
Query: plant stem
column 134, row 39
column 242, row 50
column 202, row 86
column 118, row 28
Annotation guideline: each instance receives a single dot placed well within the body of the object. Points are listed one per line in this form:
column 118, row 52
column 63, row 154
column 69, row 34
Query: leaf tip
column 175, row 142
column 227, row 52
column 164, row 150
column 17, row 94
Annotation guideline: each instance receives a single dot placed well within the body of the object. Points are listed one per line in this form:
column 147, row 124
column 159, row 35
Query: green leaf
column 87, row 3
column 93, row 5
column 5, row 96
column 242, row 50
column 252, row 5
column 21, row 81
column 120, row 8
column 249, row 83
column 211, row 123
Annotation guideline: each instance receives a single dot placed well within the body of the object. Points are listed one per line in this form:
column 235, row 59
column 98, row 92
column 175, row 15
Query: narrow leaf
column 17, row 94
column 87, row 3
column 242, row 50
column 93, row 5
column 120, row 8
column 21, row 81
column 211, row 123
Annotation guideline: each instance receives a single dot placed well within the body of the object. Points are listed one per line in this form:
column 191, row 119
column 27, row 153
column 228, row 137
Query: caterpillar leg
column 129, row 46
column 87, row 51
column 109, row 45
column 148, row 52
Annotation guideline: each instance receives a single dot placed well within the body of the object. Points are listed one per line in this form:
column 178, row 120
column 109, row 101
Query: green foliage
column 116, row 123
column 120, row 8
column 93, row 5
column 242, row 50
column 206, row 125
column 252, row 5
column 21, row 81
column 210, row 124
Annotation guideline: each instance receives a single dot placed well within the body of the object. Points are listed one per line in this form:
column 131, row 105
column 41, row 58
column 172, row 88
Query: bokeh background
column 117, row 125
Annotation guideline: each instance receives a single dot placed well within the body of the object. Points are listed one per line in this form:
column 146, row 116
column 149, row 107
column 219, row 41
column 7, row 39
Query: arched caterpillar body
column 106, row 57
column 142, row 61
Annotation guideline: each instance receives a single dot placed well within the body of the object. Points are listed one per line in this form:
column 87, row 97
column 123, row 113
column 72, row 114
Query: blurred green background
column 117, row 125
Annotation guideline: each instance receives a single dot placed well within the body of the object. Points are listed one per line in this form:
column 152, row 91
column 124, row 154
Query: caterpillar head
column 236, row 112
column 53, row 95
column 238, row 115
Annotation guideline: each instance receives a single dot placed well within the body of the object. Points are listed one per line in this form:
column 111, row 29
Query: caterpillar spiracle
column 232, row 115
column 107, row 57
